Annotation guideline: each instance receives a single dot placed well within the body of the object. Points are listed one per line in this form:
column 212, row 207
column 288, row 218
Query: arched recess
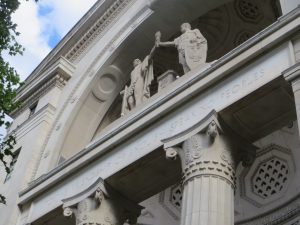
column 95, row 103
column 225, row 25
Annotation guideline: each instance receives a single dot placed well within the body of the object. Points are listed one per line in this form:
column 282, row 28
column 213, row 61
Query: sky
column 42, row 25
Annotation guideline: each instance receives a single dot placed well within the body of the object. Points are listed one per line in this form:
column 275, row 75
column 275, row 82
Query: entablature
column 56, row 75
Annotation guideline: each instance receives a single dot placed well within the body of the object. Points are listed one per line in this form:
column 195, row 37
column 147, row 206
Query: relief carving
column 205, row 153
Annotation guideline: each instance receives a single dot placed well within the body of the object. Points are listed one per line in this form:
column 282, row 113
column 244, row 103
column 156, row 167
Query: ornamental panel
column 170, row 199
column 249, row 10
column 269, row 176
column 176, row 196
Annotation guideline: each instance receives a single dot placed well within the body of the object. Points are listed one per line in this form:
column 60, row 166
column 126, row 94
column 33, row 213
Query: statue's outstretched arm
column 151, row 54
column 167, row 44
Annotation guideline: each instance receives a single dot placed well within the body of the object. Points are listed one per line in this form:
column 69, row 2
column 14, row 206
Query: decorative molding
column 165, row 201
column 214, row 168
column 45, row 114
column 56, row 81
column 89, row 73
column 292, row 74
column 56, row 76
column 270, row 177
column 176, row 196
column 249, row 10
column 273, row 165
column 104, row 22
column 281, row 215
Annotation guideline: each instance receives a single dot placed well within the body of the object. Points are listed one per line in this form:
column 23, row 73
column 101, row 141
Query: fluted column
column 208, row 165
column 101, row 207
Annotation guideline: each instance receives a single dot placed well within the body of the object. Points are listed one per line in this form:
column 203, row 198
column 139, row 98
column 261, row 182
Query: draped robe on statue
column 192, row 49
column 139, row 89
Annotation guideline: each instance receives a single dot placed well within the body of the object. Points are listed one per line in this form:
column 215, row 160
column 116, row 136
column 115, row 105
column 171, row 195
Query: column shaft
column 208, row 200
column 208, row 179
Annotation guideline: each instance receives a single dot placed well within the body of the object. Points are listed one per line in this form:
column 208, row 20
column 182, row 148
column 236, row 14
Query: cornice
column 292, row 74
column 37, row 117
column 182, row 89
column 55, row 76
column 97, row 29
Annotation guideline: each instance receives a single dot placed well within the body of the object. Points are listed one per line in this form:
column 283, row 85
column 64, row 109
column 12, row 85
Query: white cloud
column 36, row 46
column 37, row 29
column 65, row 13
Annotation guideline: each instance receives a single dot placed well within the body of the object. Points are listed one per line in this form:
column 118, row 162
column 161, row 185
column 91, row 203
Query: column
column 101, row 207
column 292, row 75
column 208, row 181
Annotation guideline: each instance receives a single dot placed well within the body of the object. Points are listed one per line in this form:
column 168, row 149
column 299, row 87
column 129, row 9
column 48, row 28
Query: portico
column 210, row 121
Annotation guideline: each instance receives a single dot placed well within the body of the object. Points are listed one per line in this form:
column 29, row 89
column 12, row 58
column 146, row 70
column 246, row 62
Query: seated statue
column 191, row 46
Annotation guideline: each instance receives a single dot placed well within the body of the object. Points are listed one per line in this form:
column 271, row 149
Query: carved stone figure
column 191, row 46
column 139, row 88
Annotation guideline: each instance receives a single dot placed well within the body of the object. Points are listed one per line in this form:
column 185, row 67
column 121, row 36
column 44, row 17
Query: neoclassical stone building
column 216, row 144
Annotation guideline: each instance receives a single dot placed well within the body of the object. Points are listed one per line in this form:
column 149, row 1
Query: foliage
column 9, row 79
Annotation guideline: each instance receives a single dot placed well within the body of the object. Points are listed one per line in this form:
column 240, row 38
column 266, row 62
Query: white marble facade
column 209, row 144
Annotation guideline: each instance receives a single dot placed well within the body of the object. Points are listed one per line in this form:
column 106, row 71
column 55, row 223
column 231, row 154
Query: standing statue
column 141, row 78
column 191, row 46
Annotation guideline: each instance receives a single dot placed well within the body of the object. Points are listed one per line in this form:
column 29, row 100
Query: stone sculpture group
column 192, row 52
